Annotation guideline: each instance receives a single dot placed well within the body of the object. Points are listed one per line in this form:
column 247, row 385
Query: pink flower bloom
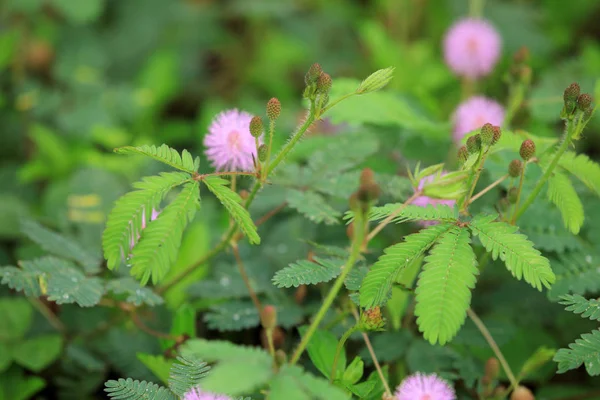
column 198, row 394
column 424, row 387
column 473, row 113
column 229, row 144
column 424, row 201
column 472, row 48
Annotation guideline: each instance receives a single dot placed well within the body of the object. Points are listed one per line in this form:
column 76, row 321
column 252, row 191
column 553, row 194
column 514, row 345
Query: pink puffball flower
column 424, row 201
column 472, row 48
column 475, row 112
column 424, row 387
column 198, row 394
column 229, row 144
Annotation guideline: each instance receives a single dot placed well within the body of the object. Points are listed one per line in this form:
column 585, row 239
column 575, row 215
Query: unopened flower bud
column 256, row 126
column 367, row 176
column 278, row 338
column 324, row 83
column 527, row 149
column 244, row 194
column 350, row 231
column 487, row 134
column 262, row 152
column 474, row 144
column 463, row 154
column 492, row 369
column 497, row 135
column 522, row 393
column 515, row 167
column 300, row 294
column 584, row 101
column 512, row 195
column 268, row 317
column 571, row 93
column 273, row 109
column 522, row 55
column 313, row 74
column 372, row 320
column 377, row 80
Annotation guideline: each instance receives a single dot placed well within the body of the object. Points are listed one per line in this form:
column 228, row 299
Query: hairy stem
column 475, row 178
column 336, row 101
column 339, row 282
column 310, row 118
column 487, row 189
column 339, row 349
column 488, row 337
column 246, row 279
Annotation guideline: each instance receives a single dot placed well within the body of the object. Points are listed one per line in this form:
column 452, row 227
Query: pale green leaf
column 562, row 193
column 164, row 154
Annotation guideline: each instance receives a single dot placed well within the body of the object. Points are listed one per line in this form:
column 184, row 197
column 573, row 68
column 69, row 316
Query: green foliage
column 562, row 193
column 186, row 374
column 313, row 206
column 321, row 350
column 17, row 317
column 166, row 155
column 157, row 249
column 584, row 169
column 305, row 272
column 580, row 305
column 444, row 288
column 291, row 383
column 576, row 272
column 405, row 213
column 133, row 211
column 136, row 294
column 232, row 202
column 378, row 282
column 518, row 253
column 129, row 389
column 585, row 350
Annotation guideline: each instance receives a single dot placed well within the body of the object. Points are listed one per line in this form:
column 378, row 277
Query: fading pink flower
column 475, row 112
column 472, row 48
column 135, row 236
column 424, row 387
column 424, row 201
column 229, row 144
column 198, row 394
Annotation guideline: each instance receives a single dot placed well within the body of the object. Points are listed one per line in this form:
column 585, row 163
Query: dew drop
column 236, row 317
column 588, row 259
column 225, row 281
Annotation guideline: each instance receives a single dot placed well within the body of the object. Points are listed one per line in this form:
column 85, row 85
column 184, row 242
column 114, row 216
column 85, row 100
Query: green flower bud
column 515, row 167
column 377, row 80
column 372, row 320
column 324, row 83
column 527, row 149
column 463, row 154
column 268, row 317
column 487, row 134
column 256, row 126
column 474, row 144
column 313, row 74
column 273, row 109
column 512, row 195
column 262, row 152
column 584, row 101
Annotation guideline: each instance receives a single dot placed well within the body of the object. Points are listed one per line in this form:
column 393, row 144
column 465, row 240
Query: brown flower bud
column 497, row 135
column 268, row 317
column 521, row 55
column 313, row 74
column 474, row 144
column 324, row 83
column 571, row 93
column 273, row 109
column 515, row 167
column 487, row 134
column 527, row 149
column 463, row 154
column 584, row 101
column 522, row 393
column 372, row 319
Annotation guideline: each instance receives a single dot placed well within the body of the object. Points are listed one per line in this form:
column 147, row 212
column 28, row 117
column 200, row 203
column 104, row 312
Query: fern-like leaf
column 580, row 305
column 518, row 253
column 186, row 373
column 164, row 154
column 305, row 272
column 585, row 350
column 562, row 193
column 405, row 213
column 378, row 282
column 313, row 206
column 232, row 202
column 128, row 389
column 444, row 289
column 576, row 273
column 584, row 169
column 134, row 210
column 157, row 248
column 136, row 294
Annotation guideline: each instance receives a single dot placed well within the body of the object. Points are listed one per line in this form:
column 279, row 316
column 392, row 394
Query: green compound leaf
column 562, row 193
column 443, row 292
column 403, row 213
column 133, row 211
column 128, row 389
column 157, row 248
column 518, row 253
column 305, row 272
column 186, row 373
column 232, row 202
column 585, row 350
column 313, row 206
column 164, row 154
column 584, row 169
column 378, row 282
column 136, row 294
column 580, row 305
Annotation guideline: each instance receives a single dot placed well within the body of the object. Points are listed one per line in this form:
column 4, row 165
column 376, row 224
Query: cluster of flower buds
column 577, row 104
column 488, row 136
column 372, row 320
column 318, row 85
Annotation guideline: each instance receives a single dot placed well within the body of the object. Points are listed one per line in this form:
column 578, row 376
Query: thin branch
column 140, row 324
column 200, row 177
column 488, row 337
column 48, row 314
column 245, row 278
column 487, row 189
column 391, row 217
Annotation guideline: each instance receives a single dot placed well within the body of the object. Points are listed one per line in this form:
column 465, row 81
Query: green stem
column 336, row 101
column 292, row 142
column 339, row 349
column 474, row 178
column 571, row 131
column 519, row 191
column 359, row 232
column 270, row 146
